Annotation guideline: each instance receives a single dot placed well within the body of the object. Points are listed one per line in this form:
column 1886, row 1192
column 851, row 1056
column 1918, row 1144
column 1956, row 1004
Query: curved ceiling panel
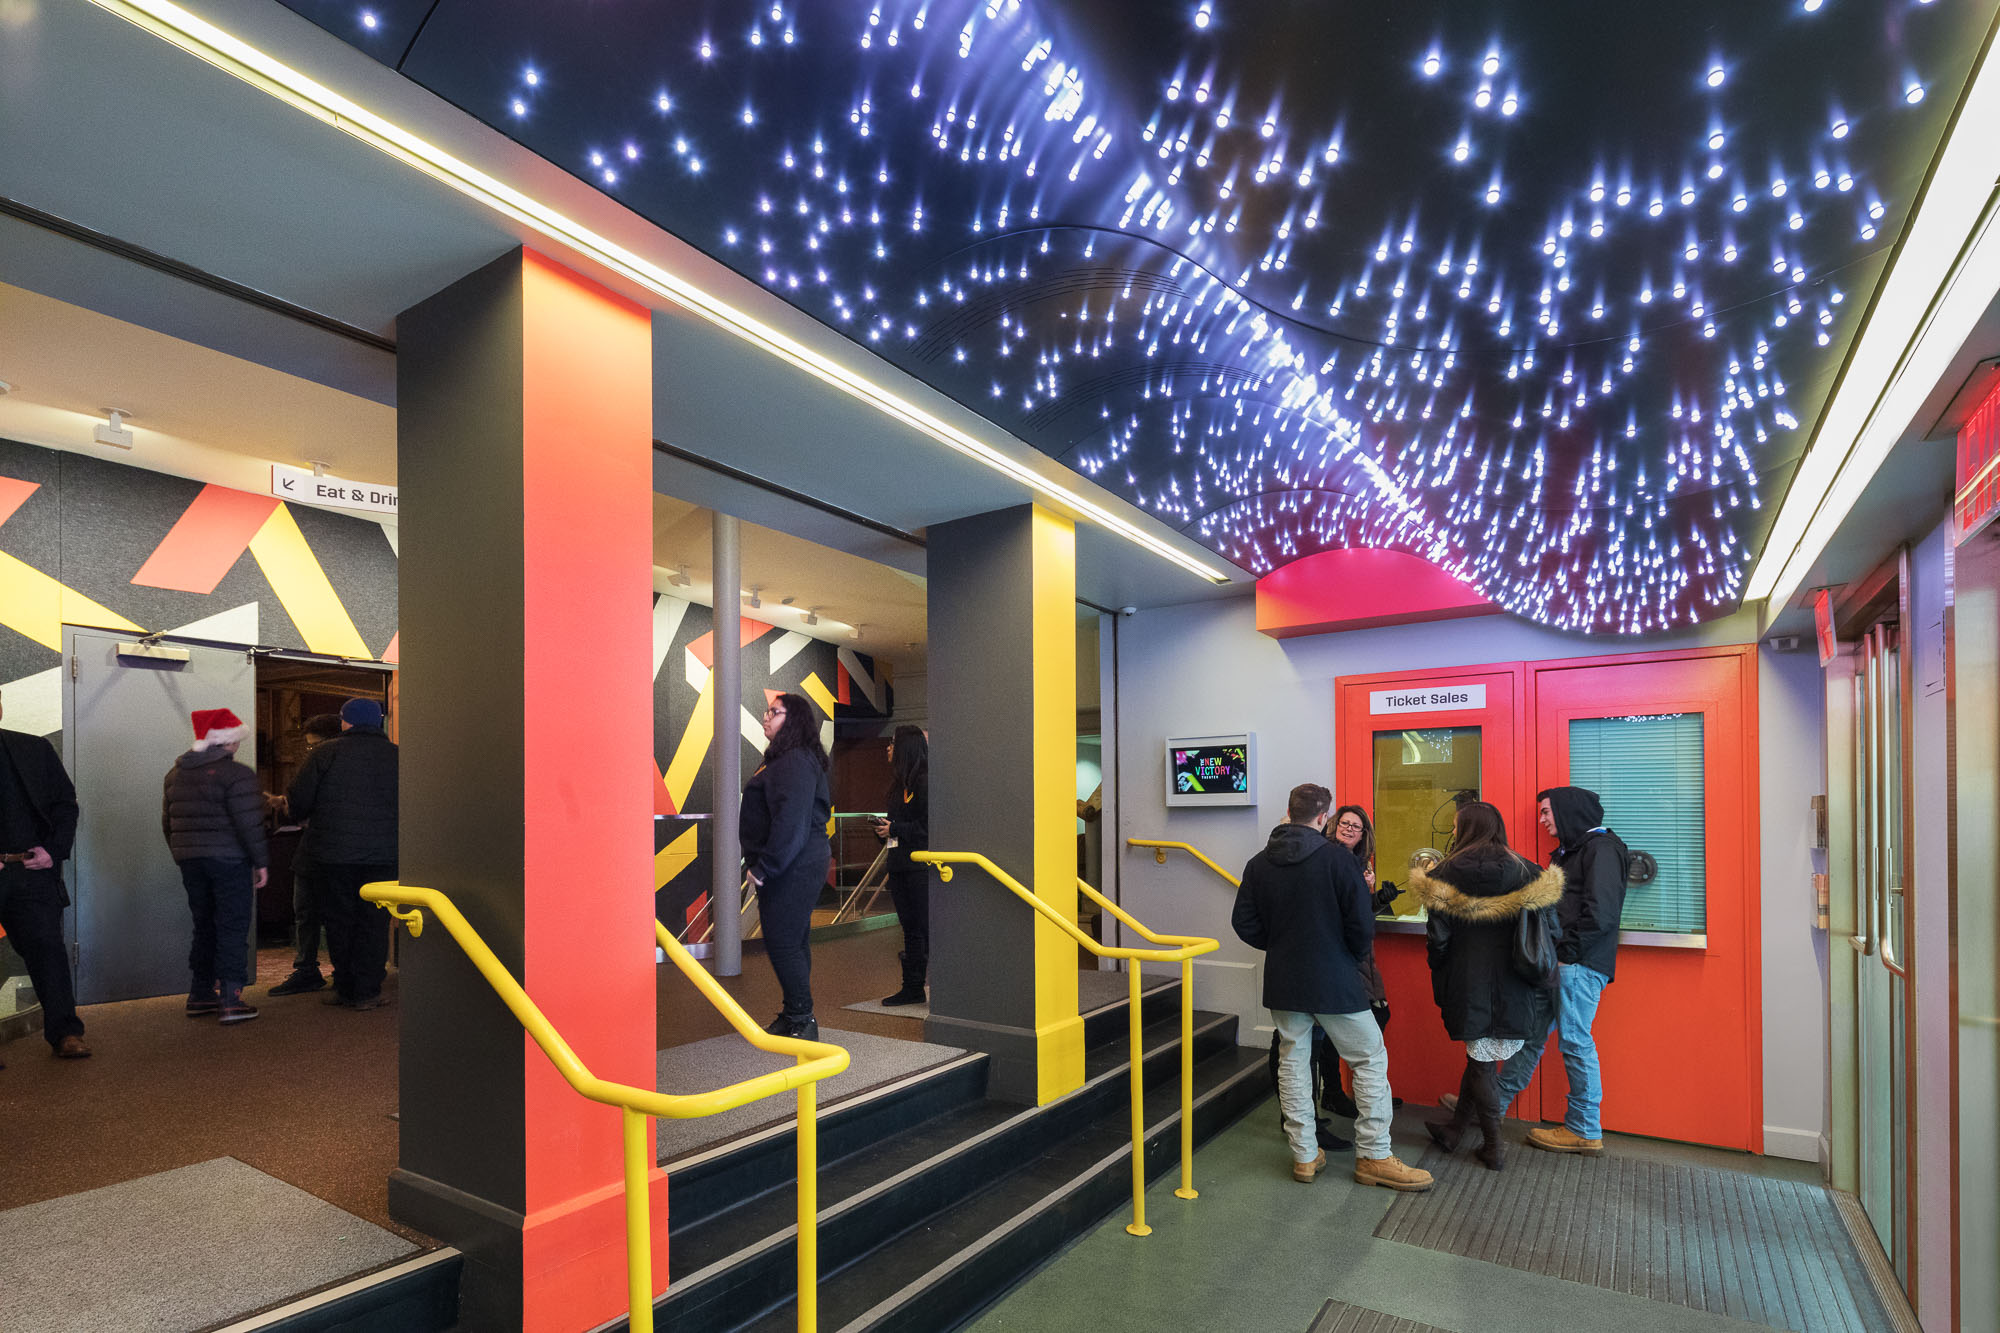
column 1549, row 292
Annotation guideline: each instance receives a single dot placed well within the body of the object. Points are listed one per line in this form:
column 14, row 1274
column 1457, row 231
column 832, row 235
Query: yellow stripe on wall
column 303, row 588
column 37, row 606
column 817, row 691
column 673, row 858
column 1058, row 1029
column 693, row 747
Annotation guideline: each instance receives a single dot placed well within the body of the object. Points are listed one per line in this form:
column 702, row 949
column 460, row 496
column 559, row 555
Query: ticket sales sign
column 1427, row 699
column 297, row 483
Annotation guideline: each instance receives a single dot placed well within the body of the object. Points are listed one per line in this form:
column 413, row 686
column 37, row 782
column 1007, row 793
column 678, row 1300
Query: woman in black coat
column 906, row 830
column 1476, row 898
column 786, row 804
column 1350, row 827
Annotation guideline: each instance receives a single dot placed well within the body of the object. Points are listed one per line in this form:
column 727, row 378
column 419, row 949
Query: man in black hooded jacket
column 1594, row 863
column 1303, row 902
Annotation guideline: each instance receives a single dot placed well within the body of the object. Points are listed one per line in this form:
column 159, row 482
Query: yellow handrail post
column 638, row 1223
column 816, row 1060
column 1138, row 1225
column 808, row 1211
column 1187, row 1189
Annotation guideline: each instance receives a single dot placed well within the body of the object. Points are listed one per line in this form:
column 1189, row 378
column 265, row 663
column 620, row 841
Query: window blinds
column 1648, row 772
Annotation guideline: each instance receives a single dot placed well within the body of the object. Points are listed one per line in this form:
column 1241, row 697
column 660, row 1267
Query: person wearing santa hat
column 213, row 818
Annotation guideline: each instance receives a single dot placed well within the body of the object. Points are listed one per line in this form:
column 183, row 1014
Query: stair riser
column 970, row 1289
column 745, row 1289
column 700, row 1192
column 1154, row 1005
column 424, row 1301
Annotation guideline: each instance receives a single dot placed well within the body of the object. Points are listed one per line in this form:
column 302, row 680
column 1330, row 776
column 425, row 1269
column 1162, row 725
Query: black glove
column 1384, row 895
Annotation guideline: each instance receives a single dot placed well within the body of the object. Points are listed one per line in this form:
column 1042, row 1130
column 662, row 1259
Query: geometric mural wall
column 85, row 541
column 845, row 685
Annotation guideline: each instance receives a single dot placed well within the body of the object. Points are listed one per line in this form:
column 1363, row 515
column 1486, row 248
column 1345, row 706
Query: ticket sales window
column 1647, row 769
column 1421, row 777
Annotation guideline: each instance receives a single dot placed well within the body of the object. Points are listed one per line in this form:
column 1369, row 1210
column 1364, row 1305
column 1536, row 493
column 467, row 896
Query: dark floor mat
column 1340, row 1317
column 1725, row 1242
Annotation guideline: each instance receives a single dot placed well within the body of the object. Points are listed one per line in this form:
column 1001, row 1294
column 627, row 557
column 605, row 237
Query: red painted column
column 525, row 439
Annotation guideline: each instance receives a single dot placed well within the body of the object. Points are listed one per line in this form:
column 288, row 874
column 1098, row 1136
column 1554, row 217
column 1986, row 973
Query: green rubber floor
column 1258, row 1251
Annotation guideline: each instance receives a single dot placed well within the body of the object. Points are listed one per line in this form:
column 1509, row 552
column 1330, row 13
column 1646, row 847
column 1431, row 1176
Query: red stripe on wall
column 586, row 727
column 207, row 541
column 13, row 494
column 704, row 647
column 394, row 652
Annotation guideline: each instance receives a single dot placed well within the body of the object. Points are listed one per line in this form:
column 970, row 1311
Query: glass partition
column 1648, row 772
column 1422, row 775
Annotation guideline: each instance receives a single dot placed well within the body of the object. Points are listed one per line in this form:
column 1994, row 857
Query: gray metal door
column 124, row 721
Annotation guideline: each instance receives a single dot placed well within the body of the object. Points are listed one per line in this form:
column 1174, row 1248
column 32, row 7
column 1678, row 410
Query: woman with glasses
column 906, row 830
column 786, row 805
column 1351, row 828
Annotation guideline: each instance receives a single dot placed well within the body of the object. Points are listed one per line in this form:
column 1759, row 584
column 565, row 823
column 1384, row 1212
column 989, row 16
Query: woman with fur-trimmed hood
column 1476, row 897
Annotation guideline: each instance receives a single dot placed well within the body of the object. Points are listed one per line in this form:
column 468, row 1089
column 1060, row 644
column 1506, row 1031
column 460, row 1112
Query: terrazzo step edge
column 869, row 1206
column 714, row 1180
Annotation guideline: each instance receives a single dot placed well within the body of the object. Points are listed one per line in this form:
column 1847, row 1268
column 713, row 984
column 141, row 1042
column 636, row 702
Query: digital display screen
column 1211, row 770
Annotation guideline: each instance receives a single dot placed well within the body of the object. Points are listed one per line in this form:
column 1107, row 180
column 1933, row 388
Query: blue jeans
column 1578, row 992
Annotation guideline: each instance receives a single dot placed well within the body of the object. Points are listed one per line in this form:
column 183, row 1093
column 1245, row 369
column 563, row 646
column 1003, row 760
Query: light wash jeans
column 1358, row 1039
column 1578, row 991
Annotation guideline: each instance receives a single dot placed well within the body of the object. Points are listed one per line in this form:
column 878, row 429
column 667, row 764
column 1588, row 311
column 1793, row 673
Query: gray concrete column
column 725, row 692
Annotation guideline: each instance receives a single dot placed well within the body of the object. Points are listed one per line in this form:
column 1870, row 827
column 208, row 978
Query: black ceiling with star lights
column 1549, row 292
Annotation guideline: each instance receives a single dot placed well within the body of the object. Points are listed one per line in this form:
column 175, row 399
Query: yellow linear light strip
column 234, row 56
column 36, row 606
column 1940, row 285
column 303, row 590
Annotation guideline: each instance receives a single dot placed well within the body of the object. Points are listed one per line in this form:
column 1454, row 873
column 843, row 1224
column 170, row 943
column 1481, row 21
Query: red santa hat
column 217, row 726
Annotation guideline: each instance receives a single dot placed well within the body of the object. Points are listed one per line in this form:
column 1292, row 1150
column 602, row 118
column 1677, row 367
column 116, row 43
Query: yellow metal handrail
column 1183, row 950
column 1160, row 850
column 816, row 1061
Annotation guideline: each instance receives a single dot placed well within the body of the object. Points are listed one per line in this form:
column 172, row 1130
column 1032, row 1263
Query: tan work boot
column 1391, row 1174
column 1448, row 1101
column 1303, row 1172
column 1560, row 1139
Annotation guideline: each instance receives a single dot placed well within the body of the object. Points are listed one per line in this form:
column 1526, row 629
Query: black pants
column 31, row 908
column 220, row 899
column 305, row 919
column 785, row 904
column 357, row 931
column 911, row 892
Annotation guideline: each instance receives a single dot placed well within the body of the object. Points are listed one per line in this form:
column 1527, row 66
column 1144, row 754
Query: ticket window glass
column 1647, row 770
column 1422, row 775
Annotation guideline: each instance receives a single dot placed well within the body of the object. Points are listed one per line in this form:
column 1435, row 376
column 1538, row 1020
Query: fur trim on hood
column 1454, row 892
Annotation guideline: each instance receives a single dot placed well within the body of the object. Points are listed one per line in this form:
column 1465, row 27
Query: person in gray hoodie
column 213, row 817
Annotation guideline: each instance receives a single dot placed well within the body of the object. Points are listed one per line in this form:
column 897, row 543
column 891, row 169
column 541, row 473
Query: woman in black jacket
column 1476, row 897
column 906, row 830
column 1350, row 827
column 786, row 804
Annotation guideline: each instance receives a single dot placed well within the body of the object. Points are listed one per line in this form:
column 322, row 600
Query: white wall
column 1789, row 738
column 1203, row 669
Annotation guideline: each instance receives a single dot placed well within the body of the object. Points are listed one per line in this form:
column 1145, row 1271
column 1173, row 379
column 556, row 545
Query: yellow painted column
column 1002, row 711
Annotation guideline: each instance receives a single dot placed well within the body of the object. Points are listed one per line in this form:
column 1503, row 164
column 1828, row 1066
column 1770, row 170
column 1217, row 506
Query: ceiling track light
column 812, row 616
column 114, row 433
column 756, row 600
column 854, row 631
column 679, row 578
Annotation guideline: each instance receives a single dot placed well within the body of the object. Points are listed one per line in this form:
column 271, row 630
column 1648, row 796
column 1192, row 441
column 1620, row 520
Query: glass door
column 1882, row 992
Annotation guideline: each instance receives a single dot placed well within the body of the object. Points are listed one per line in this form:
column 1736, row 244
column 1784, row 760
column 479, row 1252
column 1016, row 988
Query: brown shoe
column 72, row 1048
column 1303, row 1172
column 1391, row 1174
column 1448, row 1102
column 1560, row 1139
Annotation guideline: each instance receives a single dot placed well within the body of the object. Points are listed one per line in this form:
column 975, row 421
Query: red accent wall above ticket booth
column 1361, row 588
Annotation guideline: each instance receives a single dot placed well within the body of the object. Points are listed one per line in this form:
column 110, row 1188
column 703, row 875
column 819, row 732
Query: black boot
column 803, row 1027
column 1447, row 1133
column 1485, row 1086
column 913, row 982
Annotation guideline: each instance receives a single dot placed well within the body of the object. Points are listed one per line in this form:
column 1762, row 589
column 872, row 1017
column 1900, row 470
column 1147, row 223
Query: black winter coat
column 214, row 807
column 51, row 795
column 346, row 792
column 782, row 821
column 1595, row 865
column 909, row 824
column 1304, row 904
column 1475, row 903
